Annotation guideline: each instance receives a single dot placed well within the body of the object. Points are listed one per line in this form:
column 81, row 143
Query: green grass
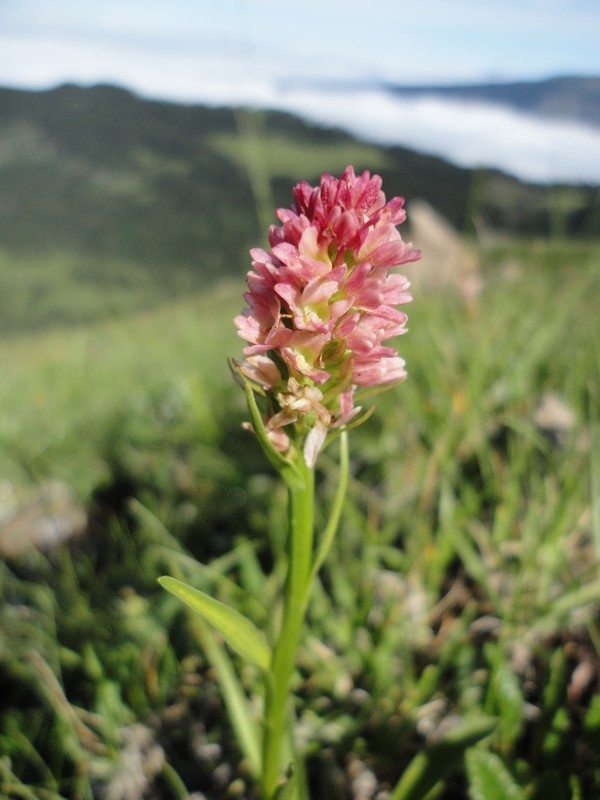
column 298, row 159
column 464, row 580
column 65, row 388
column 69, row 288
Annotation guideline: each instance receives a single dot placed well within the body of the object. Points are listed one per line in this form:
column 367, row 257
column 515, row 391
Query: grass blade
column 488, row 777
column 245, row 728
column 431, row 766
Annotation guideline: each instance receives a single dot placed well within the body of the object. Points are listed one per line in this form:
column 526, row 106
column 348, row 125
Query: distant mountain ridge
column 569, row 98
column 103, row 172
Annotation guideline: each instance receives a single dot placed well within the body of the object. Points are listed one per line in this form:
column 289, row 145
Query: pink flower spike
column 321, row 304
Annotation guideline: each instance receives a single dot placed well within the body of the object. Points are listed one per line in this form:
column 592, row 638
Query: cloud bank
column 469, row 134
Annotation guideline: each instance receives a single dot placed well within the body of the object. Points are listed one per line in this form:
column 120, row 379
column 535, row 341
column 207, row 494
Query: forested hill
column 104, row 172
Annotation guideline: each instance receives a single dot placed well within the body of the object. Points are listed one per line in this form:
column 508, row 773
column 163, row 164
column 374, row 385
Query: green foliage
column 238, row 631
column 431, row 766
column 488, row 777
column 464, row 581
column 308, row 158
column 143, row 201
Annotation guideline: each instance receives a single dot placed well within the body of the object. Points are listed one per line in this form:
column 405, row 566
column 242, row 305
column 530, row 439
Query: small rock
column 555, row 418
column 446, row 260
column 364, row 782
column 52, row 516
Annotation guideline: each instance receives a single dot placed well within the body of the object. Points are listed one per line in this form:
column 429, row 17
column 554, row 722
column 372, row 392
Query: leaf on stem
column 239, row 633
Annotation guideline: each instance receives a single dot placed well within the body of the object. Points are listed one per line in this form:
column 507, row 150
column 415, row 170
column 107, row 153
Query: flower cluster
column 321, row 304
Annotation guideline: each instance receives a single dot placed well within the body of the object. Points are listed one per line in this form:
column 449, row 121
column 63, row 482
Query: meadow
column 463, row 589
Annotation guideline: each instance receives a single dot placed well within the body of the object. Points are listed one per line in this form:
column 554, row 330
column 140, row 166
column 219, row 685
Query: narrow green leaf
column 463, row 545
column 213, row 576
column 432, row 765
column 556, row 682
column 566, row 604
column 239, row 633
column 274, row 456
column 509, row 701
column 595, row 490
column 488, row 777
column 244, row 725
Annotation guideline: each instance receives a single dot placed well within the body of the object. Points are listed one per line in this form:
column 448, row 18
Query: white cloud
column 469, row 134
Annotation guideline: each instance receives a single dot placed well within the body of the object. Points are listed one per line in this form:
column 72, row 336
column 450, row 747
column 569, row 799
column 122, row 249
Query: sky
column 266, row 53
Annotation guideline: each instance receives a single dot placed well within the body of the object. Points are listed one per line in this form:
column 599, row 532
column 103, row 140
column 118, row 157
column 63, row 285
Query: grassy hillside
column 103, row 192
column 464, row 581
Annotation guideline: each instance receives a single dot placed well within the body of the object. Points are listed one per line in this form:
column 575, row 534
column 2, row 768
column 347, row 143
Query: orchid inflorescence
column 321, row 305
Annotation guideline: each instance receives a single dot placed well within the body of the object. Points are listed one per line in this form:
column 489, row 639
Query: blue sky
column 176, row 48
column 259, row 52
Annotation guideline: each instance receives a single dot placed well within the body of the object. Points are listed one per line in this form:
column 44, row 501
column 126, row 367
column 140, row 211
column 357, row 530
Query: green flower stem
column 277, row 711
column 336, row 511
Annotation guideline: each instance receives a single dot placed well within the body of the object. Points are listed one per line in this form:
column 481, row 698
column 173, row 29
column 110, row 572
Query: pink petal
column 290, row 294
column 319, row 291
column 384, row 371
column 262, row 370
column 390, row 254
column 357, row 277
